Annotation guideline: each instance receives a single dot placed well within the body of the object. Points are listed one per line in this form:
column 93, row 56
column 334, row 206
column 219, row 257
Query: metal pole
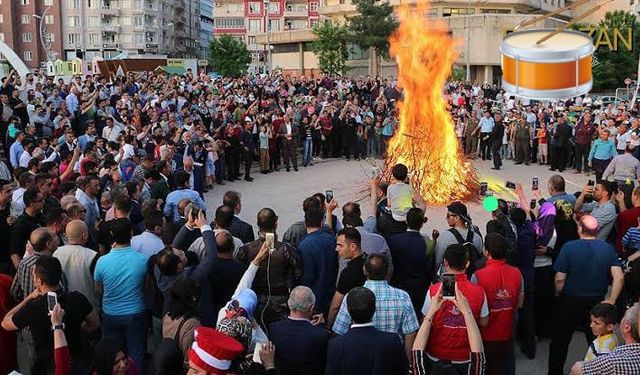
column 468, row 22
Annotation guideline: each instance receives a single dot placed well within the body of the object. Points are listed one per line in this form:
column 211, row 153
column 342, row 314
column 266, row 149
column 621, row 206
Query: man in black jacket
column 364, row 349
column 560, row 145
column 496, row 141
column 239, row 228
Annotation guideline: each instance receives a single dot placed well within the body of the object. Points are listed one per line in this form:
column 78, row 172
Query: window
column 313, row 7
column 254, row 25
column 126, row 21
column 93, row 21
column 92, row 4
column 274, row 25
column 27, row 56
column 274, row 8
column 254, row 7
column 24, row 2
column 94, row 38
column 48, row 2
column 73, row 21
column 48, row 19
column 228, row 23
column 73, row 38
column 51, row 37
column 137, row 4
column 73, row 4
column 138, row 21
column 431, row 13
column 495, row 11
column 446, row 12
column 138, row 38
column 27, row 37
column 26, row 19
column 313, row 23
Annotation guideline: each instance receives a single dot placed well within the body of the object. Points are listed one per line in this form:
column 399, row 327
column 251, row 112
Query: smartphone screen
column 52, row 300
column 329, row 195
column 483, row 188
column 510, row 185
column 591, row 183
column 534, row 183
column 448, row 285
column 532, row 204
column 269, row 239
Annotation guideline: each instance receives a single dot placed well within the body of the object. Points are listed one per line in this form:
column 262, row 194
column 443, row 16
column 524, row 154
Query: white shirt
column 17, row 203
column 621, row 144
column 76, row 265
column 111, row 134
column 128, row 153
column 24, row 159
column 147, row 243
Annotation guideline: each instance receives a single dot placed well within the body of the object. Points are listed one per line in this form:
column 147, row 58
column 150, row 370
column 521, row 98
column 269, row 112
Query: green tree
column 373, row 25
column 331, row 47
column 229, row 56
column 614, row 66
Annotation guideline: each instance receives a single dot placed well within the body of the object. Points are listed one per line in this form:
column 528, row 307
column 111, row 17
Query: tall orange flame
column 425, row 140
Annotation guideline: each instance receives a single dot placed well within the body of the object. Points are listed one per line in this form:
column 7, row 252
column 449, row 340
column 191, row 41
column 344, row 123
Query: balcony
column 296, row 10
column 110, row 8
column 110, row 28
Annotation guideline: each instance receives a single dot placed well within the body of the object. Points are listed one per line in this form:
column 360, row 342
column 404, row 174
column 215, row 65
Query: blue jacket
column 302, row 347
column 365, row 350
column 319, row 266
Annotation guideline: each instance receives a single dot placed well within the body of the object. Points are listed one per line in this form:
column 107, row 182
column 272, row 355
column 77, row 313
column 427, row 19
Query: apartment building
column 205, row 35
column 247, row 19
column 110, row 27
column 20, row 26
column 480, row 25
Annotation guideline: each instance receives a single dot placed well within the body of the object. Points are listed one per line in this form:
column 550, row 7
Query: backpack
column 168, row 351
column 475, row 256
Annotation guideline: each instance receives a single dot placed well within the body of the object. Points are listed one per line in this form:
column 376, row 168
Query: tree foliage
column 614, row 66
column 229, row 56
column 331, row 47
column 373, row 25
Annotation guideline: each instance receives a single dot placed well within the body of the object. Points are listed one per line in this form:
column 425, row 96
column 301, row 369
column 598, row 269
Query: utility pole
column 267, row 29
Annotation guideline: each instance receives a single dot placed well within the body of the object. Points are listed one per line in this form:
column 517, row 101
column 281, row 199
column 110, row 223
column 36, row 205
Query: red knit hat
column 213, row 351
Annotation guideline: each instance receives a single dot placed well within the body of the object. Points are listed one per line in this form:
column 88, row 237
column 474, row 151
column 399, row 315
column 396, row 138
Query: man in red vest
column 448, row 339
column 503, row 287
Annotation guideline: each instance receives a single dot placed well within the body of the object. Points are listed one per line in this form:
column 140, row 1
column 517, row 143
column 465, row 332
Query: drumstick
column 551, row 14
column 573, row 21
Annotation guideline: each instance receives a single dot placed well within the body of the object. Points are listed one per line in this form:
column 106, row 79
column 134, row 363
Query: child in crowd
column 400, row 195
column 603, row 321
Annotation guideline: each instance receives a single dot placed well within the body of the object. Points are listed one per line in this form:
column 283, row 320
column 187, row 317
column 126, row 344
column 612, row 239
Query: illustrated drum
column 558, row 68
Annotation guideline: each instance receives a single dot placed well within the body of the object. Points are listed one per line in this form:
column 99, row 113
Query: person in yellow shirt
column 603, row 321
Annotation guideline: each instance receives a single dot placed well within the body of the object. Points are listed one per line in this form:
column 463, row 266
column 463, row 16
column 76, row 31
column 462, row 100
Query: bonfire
column 425, row 140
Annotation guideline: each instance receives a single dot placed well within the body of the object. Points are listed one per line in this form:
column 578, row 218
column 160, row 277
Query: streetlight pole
column 468, row 39
column 46, row 43
column 268, row 31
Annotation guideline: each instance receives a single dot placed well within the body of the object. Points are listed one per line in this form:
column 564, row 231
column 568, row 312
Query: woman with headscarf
column 110, row 358
column 545, row 241
column 181, row 319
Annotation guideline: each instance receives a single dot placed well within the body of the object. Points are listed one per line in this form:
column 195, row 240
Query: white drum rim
column 569, row 92
column 542, row 57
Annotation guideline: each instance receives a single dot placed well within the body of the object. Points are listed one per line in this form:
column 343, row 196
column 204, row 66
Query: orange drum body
column 555, row 69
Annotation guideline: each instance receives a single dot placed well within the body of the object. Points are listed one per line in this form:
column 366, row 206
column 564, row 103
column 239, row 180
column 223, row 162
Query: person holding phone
column 420, row 361
column 35, row 310
column 450, row 341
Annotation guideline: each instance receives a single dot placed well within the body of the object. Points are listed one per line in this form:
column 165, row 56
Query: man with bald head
column 583, row 270
column 41, row 242
column 76, row 261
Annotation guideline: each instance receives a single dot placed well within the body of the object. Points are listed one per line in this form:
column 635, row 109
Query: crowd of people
column 114, row 263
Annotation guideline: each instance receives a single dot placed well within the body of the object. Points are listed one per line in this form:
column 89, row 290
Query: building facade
column 248, row 19
column 480, row 27
column 108, row 28
column 20, row 29
column 206, row 28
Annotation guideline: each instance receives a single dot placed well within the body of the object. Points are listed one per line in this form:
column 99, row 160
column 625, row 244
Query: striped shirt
column 631, row 240
column 23, row 283
column 421, row 364
column 394, row 311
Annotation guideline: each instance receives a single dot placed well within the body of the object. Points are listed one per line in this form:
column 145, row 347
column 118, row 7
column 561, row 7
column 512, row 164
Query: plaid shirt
column 624, row 360
column 394, row 311
column 23, row 282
